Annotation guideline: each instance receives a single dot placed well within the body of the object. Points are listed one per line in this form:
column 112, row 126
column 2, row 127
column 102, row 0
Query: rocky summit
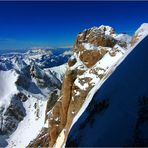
column 96, row 54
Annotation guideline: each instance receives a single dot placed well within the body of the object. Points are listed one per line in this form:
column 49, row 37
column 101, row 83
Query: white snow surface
column 60, row 141
column 31, row 125
column 7, row 87
column 143, row 30
column 66, row 53
column 58, row 70
column 89, row 46
column 102, row 67
column 123, row 37
column 141, row 33
column 108, row 30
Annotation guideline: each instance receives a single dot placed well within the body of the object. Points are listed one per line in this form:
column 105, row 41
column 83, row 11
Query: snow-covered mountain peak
column 143, row 29
column 140, row 34
column 123, row 37
column 101, row 30
column 107, row 30
column 38, row 51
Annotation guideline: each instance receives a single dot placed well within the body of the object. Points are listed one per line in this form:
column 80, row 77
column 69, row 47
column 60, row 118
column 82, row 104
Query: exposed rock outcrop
column 58, row 115
column 86, row 68
column 13, row 115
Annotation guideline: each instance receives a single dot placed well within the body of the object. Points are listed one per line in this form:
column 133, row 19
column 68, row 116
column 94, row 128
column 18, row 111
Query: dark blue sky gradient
column 56, row 24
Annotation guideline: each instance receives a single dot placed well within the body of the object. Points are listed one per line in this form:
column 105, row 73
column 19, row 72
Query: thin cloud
column 7, row 40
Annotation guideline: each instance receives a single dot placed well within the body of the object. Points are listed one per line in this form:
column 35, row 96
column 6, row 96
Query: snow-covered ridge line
column 96, row 53
column 143, row 33
column 59, row 71
column 117, row 113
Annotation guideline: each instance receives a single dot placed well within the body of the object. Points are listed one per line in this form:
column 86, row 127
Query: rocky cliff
column 96, row 51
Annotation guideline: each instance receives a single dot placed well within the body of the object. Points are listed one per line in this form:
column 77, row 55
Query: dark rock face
column 13, row 115
column 51, row 102
column 43, row 80
column 20, row 82
column 72, row 62
column 22, row 97
column 123, row 121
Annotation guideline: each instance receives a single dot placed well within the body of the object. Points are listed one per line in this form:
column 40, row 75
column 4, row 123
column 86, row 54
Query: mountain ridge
column 118, row 124
column 83, row 71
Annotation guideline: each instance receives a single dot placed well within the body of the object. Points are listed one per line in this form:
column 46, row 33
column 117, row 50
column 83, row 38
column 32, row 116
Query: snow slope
column 58, row 71
column 7, row 87
column 31, row 125
column 114, row 123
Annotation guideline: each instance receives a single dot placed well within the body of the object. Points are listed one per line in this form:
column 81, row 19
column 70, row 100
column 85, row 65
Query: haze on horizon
column 56, row 24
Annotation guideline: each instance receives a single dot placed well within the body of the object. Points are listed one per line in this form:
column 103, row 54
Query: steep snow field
column 31, row 125
column 7, row 87
column 58, row 71
column 35, row 107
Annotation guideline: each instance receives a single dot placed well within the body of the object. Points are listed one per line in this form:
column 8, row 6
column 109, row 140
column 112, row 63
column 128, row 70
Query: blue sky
column 56, row 24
